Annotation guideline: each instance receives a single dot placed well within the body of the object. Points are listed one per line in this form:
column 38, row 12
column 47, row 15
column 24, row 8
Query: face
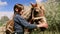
column 37, row 9
column 20, row 12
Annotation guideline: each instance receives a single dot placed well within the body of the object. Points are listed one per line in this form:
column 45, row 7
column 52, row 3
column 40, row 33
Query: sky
column 6, row 6
column 8, row 14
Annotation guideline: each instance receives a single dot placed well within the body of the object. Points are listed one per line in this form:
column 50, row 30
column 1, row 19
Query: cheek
column 17, row 10
column 21, row 12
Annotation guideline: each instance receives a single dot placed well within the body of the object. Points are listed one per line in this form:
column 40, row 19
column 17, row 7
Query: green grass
column 46, row 32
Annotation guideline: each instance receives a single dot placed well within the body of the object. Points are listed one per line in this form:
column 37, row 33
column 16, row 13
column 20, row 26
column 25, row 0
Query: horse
column 36, row 14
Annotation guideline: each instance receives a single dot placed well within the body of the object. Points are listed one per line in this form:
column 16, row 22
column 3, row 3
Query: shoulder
column 18, row 16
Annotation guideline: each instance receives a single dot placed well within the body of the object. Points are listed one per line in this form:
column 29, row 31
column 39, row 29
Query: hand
column 45, row 25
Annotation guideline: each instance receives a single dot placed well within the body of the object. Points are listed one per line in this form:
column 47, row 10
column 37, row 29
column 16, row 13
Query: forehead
column 36, row 8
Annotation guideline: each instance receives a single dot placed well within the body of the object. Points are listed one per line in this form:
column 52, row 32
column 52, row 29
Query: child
column 20, row 23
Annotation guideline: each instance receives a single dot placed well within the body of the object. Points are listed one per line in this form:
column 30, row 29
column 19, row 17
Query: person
column 20, row 23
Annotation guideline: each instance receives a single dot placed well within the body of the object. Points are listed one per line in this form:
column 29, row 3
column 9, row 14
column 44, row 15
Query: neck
column 17, row 13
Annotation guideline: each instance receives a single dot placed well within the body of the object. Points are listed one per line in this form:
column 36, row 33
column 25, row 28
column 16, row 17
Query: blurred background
column 52, row 13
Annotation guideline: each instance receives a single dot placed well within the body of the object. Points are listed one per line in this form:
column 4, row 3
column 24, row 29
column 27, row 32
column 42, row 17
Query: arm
column 25, row 23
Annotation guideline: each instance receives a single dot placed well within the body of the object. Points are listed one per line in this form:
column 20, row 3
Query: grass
column 46, row 32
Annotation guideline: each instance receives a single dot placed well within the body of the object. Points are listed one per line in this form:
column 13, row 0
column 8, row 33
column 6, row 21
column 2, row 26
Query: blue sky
column 7, row 5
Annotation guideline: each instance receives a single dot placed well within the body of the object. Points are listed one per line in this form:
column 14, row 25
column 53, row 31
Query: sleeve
column 25, row 23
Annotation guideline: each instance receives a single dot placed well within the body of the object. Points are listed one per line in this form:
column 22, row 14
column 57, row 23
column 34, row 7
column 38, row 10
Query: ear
column 32, row 4
column 16, row 9
column 36, row 5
